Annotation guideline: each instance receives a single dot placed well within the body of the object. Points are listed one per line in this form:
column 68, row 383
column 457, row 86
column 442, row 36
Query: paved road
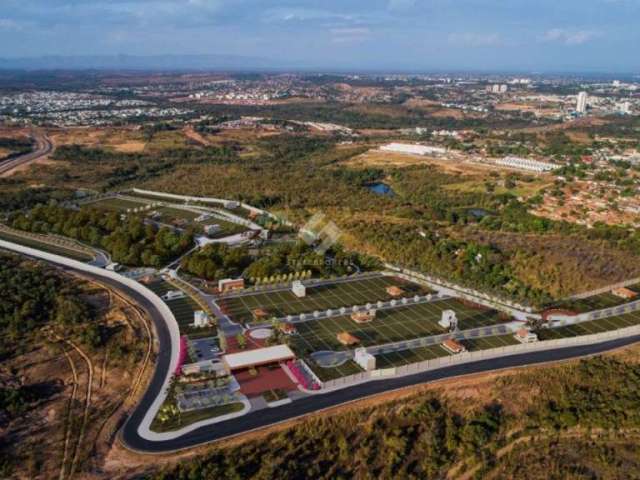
column 43, row 147
column 314, row 403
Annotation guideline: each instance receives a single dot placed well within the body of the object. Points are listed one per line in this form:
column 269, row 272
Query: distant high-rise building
column 624, row 108
column 581, row 105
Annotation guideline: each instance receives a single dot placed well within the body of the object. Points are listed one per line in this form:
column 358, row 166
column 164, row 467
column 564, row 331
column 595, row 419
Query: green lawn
column 46, row 247
column 336, row 295
column 325, row 374
column 398, row 324
column 597, row 302
column 187, row 418
column 182, row 309
column 593, row 326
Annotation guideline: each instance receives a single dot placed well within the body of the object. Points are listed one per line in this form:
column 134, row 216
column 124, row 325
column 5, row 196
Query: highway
column 43, row 147
column 132, row 433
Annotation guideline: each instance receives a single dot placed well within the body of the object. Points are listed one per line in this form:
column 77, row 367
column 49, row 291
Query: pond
column 381, row 189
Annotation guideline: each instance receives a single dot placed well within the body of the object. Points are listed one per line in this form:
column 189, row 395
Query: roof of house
column 347, row 339
column 624, row 292
column 260, row 312
column 394, row 291
column 258, row 356
column 522, row 332
column 366, row 316
column 453, row 344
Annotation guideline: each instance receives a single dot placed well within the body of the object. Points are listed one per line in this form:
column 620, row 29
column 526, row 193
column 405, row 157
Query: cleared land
column 395, row 325
column 335, row 295
column 45, row 246
column 182, row 308
column 597, row 302
column 593, row 326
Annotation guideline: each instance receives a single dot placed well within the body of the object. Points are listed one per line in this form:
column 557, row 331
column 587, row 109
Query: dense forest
column 218, row 261
column 427, row 435
column 130, row 242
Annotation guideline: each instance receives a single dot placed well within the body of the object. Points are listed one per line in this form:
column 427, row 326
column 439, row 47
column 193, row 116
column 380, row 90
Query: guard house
column 298, row 289
column 346, row 339
column 394, row 291
column 524, row 335
column 365, row 316
column 364, row 359
column 230, row 284
column 257, row 358
column 449, row 321
column 260, row 315
column 453, row 346
column 200, row 319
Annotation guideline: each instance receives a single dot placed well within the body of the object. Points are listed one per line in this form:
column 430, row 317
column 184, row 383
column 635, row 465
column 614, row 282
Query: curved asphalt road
column 312, row 403
column 43, row 147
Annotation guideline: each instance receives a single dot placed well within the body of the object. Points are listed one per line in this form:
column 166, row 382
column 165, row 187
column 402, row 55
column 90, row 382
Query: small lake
column 381, row 189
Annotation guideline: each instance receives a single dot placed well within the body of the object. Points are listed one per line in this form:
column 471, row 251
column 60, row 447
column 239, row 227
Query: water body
column 479, row 212
column 381, row 189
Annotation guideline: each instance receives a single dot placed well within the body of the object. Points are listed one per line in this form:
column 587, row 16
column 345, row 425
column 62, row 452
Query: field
column 44, row 246
column 597, row 302
column 398, row 324
column 335, row 295
column 182, row 308
column 593, row 326
column 326, row 374
column 168, row 214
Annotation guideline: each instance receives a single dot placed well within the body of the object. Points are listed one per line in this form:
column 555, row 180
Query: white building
column 364, row 359
column 624, row 108
column 298, row 289
column 526, row 164
column 173, row 295
column 525, row 336
column 211, row 229
column 200, row 319
column 581, row 103
column 413, row 149
column 449, row 321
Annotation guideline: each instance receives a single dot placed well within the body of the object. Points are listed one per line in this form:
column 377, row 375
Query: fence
column 467, row 357
column 462, row 292
column 606, row 289
column 560, row 320
column 380, row 305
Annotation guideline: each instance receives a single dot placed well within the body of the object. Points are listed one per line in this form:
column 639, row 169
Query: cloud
column 469, row 39
column 569, row 37
column 350, row 35
column 8, row 24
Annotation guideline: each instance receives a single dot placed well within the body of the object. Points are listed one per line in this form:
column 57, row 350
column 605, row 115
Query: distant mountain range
column 133, row 62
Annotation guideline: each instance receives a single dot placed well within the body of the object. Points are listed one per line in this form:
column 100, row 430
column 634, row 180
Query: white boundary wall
column 467, row 357
column 170, row 320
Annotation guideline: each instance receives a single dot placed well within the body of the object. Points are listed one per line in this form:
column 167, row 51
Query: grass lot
column 402, row 323
column 336, row 295
column 168, row 214
column 118, row 204
column 187, row 418
column 326, row 374
column 597, row 302
column 47, row 247
column 182, row 309
column 397, row 359
column 593, row 326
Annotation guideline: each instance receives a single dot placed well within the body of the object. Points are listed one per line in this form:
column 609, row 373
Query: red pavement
column 267, row 379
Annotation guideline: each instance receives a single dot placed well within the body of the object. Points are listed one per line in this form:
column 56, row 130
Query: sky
column 415, row 35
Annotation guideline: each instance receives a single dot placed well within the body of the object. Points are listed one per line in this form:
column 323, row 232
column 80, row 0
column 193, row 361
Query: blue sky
column 530, row 35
